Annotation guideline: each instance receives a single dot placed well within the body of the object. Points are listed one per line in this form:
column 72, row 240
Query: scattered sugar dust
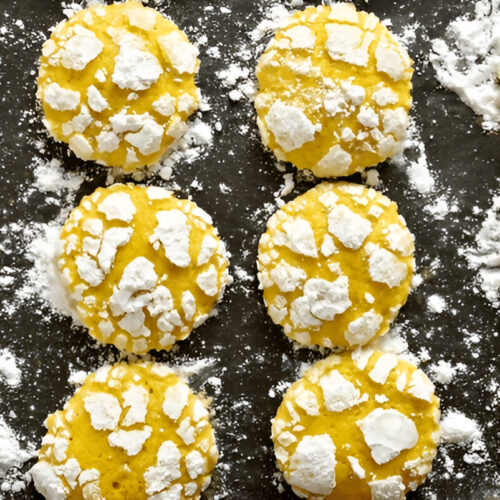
column 61, row 187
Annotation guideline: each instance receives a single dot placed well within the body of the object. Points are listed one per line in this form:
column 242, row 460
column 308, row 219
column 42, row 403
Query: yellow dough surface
column 116, row 83
column 142, row 267
column 356, row 426
column 335, row 265
column 334, row 91
column 131, row 431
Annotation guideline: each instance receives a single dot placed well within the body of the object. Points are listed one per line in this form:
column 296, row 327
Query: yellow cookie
column 334, row 91
column 357, row 426
column 142, row 267
column 116, row 83
column 335, row 265
column 131, row 431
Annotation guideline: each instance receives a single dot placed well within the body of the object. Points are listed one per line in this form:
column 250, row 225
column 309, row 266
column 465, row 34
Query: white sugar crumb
column 371, row 177
column 280, row 388
column 416, row 281
column 10, row 373
column 467, row 59
column 485, row 257
column 242, row 275
column 286, row 188
column 413, row 160
column 443, row 372
column 456, row 428
column 12, row 458
column 77, row 377
column 436, row 304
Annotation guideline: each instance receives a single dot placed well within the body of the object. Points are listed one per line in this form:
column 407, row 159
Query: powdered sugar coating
column 130, row 260
column 91, row 450
column 312, row 466
column 386, row 435
column 321, row 262
column 107, row 62
column 334, row 91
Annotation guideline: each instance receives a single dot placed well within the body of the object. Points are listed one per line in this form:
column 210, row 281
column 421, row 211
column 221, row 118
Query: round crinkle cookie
column 361, row 425
column 335, row 265
column 116, row 83
column 142, row 267
column 334, row 91
column 131, row 431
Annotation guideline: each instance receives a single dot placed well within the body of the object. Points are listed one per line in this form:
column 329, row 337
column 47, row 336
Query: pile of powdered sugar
column 486, row 256
column 413, row 160
column 459, row 432
column 467, row 61
column 443, row 371
column 10, row 373
column 12, row 458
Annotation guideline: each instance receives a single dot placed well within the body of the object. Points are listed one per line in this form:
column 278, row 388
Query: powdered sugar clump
column 436, row 304
column 486, row 256
column 459, row 430
column 443, row 371
column 10, row 372
column 468, row 61
column 456, row 428
column 413, row 159
column 12, row 457
column 50, row 177
column 236, row 76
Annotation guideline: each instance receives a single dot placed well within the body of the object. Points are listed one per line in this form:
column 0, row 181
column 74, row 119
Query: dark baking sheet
column 252, row 355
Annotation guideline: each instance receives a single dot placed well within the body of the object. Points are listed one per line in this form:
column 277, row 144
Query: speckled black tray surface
column 251, row 354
